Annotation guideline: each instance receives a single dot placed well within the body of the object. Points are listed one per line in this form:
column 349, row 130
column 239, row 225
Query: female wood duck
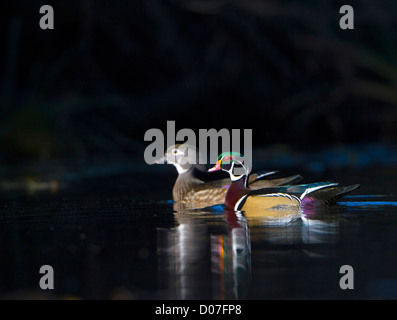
column 241, row 198
column 195, row 192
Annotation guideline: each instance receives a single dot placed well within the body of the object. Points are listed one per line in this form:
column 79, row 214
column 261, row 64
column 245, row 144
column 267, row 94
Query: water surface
column 117, row 237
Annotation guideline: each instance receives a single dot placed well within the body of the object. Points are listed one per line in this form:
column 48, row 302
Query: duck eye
column 174, row 151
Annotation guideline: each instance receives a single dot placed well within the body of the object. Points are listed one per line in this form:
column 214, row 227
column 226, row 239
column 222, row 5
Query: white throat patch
column 179, row 168
column 232, row 176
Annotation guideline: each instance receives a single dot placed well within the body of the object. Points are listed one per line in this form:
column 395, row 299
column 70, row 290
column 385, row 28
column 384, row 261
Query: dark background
column 320, row 100
column 110, row 70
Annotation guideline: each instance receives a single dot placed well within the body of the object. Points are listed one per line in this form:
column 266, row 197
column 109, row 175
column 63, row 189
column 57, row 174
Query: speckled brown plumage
column 193, row 193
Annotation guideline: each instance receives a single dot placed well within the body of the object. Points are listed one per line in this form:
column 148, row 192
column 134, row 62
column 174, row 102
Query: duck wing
column 267, row 183
column 331, row 194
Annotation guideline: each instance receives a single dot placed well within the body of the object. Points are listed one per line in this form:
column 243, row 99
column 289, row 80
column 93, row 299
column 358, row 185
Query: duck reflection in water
column 205, row 256
column 208, row 254
column 320, row 230
column 231, row 258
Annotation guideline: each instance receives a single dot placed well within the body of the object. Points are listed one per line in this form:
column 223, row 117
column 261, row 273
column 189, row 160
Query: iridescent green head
column 231, row 162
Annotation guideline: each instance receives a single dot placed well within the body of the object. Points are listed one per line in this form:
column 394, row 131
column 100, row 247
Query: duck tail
column 331, row 194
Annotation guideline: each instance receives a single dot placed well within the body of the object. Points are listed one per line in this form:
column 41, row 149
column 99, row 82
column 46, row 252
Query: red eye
column 227, row 158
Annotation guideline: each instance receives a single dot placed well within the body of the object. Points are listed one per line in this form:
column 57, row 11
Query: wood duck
column 197, row 193
column 240, row 197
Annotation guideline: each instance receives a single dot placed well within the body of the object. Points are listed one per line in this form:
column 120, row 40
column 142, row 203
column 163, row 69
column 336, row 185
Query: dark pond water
column 117, row 237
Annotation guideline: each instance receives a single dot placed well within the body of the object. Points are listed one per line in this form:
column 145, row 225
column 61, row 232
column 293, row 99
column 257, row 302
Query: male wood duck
column 195, row 192
column 240, row 197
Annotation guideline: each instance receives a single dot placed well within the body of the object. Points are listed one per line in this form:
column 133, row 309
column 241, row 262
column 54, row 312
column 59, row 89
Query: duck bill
column 216, row 167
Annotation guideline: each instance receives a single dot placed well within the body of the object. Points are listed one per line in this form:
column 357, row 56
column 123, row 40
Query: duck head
column 232, row 163
column 184, row 157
